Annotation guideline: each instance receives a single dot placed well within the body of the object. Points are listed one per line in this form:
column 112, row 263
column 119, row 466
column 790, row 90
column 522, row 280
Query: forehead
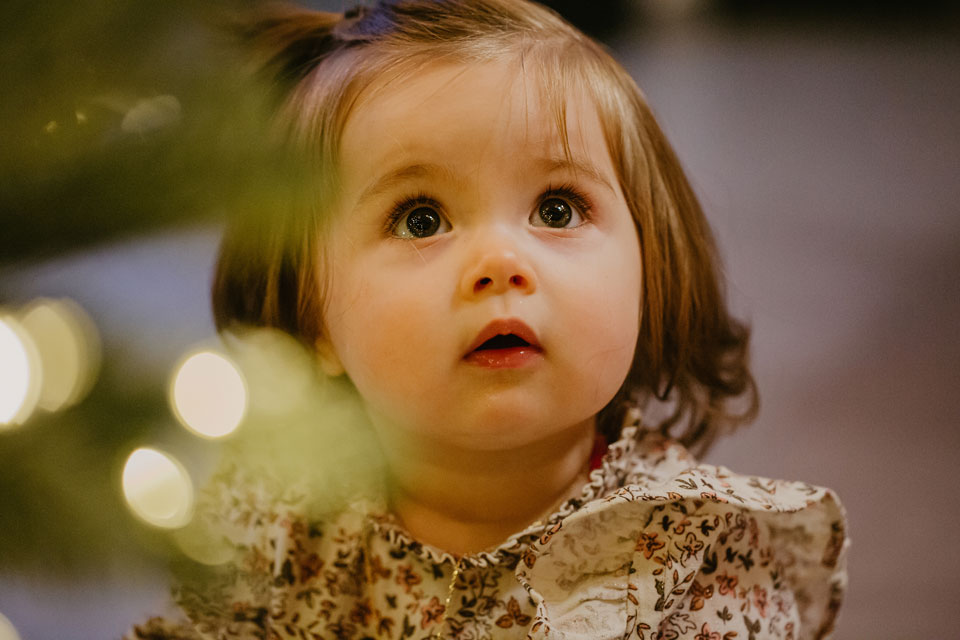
column 470, row 116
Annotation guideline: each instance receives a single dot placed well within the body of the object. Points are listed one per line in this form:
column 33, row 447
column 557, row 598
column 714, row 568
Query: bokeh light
column 151, row 114
column 69, row 349
column 280, row 373
column 20, row 373
column 203, row 545
column 208, row 394
column 158, row 488
column 7, row 630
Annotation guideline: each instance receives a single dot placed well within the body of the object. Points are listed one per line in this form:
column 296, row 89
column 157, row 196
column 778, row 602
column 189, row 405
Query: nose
column 499, row 268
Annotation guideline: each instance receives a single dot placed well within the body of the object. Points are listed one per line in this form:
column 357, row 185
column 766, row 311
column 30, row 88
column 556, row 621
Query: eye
column 416, row 218
column 561, row 208
column 555, row 212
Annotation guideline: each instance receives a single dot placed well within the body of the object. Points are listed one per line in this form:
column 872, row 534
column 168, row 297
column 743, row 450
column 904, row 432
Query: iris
column 555, row 212
column 423, row 222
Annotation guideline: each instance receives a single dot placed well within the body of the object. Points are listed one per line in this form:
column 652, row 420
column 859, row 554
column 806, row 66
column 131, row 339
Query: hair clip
column 356, row 12
column 366, row 23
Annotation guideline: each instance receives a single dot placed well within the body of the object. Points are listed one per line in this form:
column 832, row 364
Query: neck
column 466, row 501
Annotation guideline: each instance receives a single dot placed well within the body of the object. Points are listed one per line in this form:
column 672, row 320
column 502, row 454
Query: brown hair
column 691, row 355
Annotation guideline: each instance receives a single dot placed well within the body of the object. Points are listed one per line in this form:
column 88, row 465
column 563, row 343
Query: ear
column 329, row 361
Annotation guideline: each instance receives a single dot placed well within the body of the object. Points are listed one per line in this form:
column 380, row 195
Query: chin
column 504, row 427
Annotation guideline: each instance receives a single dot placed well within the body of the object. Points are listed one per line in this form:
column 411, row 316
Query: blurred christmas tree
column 118, row 118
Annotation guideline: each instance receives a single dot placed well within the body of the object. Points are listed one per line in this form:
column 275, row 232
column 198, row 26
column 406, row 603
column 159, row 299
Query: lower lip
column 512, row 358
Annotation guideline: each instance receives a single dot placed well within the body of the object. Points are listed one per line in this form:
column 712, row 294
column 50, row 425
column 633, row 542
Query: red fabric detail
column 600, row 447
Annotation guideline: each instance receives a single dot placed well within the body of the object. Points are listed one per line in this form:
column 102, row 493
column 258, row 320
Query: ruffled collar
column 624, row 463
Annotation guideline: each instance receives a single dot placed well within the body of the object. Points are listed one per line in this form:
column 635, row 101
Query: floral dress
column 655, row 547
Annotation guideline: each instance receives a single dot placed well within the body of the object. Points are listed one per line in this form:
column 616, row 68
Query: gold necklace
column 366, row 533
column 446, row 604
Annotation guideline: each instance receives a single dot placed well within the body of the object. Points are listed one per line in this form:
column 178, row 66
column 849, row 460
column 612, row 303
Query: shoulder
column 163, row 629
column 253, row 542
column 697, row 549
column 660, row 470
column 769, row 552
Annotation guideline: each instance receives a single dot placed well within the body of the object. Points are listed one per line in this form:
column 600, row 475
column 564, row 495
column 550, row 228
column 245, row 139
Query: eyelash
column 565, row 191
column 404, row 206
column 573, row 195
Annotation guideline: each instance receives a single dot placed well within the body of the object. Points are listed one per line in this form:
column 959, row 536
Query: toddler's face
column 461, row 218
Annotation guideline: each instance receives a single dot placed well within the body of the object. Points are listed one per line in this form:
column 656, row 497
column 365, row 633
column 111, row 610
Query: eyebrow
column 396, row 177
column 576, row 167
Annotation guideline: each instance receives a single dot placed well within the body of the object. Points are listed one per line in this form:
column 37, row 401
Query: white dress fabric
column 655, row 547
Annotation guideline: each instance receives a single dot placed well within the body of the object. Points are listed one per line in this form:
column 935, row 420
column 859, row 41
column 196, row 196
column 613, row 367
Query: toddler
column 502, row 259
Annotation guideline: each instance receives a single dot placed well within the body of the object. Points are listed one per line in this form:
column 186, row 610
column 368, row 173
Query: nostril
column 480, row 284
column 518, row 281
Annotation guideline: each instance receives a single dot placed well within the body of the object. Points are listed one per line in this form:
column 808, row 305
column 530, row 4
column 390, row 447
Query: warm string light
column 69, row 349
column 158, row 488
column 49, row 358
column 211, row 395
column 7, row 630
column 20, row 373
column 208, row 394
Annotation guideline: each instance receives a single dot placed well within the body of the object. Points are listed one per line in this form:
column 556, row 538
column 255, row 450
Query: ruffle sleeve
column 236, row 558
column 702, row 553
column 158, row 628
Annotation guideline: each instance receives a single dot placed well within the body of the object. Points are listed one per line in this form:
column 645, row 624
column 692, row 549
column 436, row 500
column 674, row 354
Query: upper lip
column 505, row 327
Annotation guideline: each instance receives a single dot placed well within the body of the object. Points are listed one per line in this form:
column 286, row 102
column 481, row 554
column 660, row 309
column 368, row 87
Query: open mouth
column 503, row 342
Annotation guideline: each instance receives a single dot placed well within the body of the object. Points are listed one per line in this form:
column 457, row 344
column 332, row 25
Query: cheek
column 604, row 321
column 386, row 332
column 608, row 338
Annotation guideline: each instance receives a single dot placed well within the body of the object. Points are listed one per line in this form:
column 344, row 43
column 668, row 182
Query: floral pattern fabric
column 656, row 547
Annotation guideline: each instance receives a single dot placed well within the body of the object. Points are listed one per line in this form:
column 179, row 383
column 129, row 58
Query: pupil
column 555, row 212
column 423, row 222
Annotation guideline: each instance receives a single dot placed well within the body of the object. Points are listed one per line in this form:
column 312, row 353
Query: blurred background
column 822, row 137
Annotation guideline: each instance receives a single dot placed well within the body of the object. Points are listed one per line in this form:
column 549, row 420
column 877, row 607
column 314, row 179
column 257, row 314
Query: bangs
column 567, row 70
